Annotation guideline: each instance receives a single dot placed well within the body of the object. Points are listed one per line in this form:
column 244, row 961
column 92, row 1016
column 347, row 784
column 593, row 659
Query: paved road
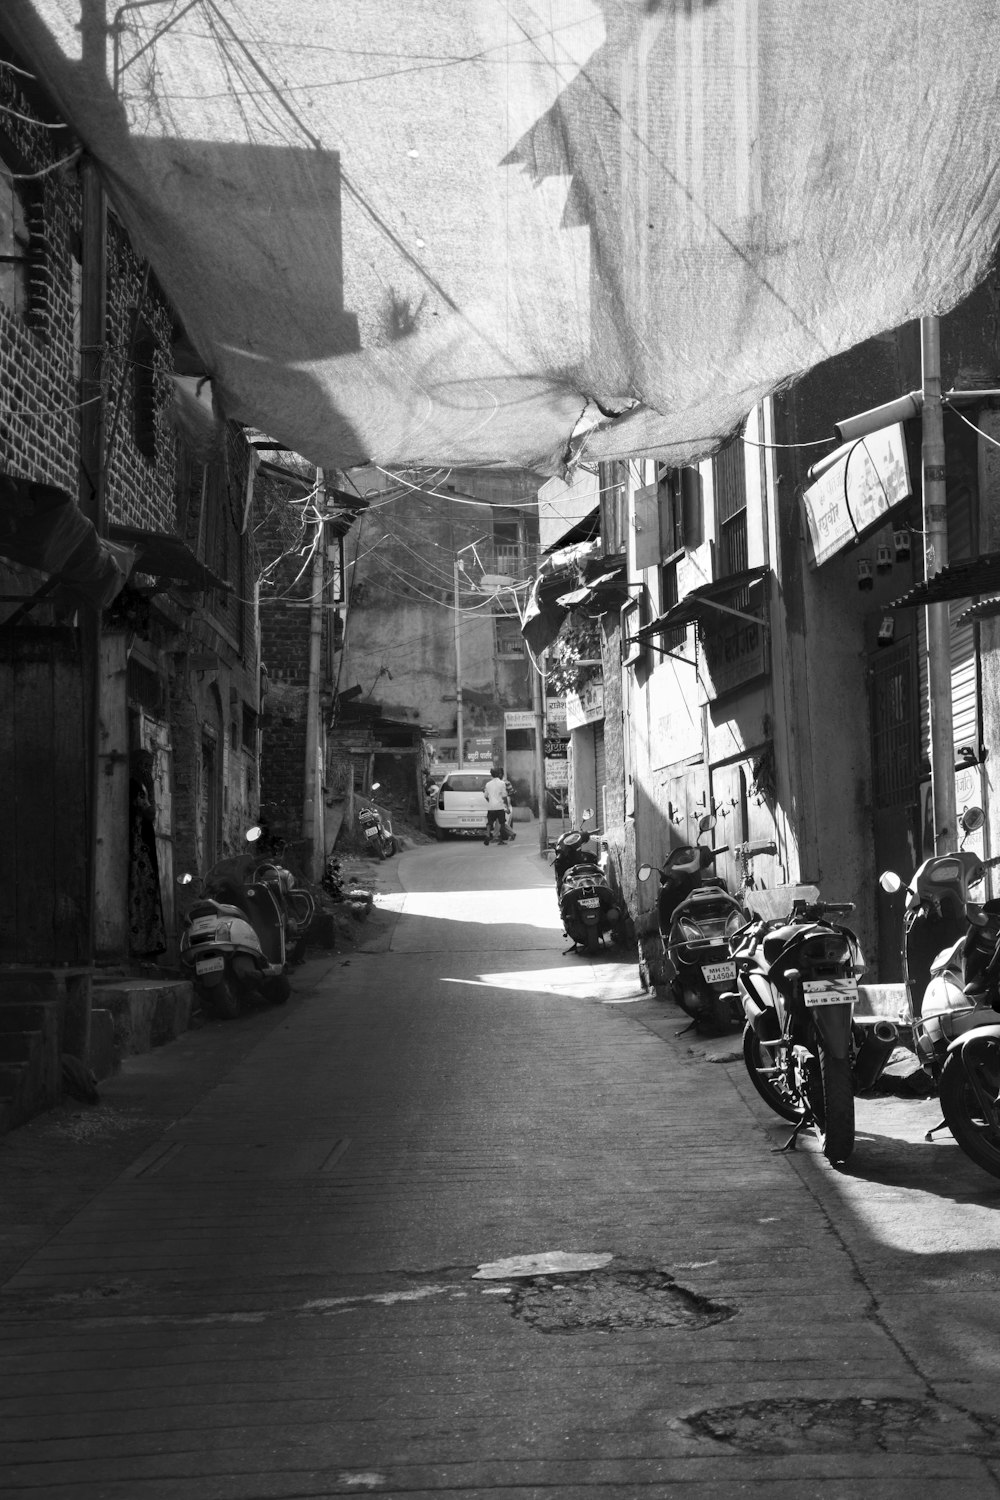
column 251, row 1273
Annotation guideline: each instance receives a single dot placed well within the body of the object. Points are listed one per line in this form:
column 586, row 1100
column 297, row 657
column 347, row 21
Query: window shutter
column 647, row 527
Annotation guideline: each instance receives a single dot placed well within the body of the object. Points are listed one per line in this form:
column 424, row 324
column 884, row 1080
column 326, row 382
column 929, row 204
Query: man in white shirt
column 497, row 806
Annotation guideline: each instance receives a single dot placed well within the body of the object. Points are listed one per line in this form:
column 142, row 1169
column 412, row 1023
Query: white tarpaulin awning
column 444, row 233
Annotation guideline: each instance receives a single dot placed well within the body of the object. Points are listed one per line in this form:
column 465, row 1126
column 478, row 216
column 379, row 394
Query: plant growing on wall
column 572, row 655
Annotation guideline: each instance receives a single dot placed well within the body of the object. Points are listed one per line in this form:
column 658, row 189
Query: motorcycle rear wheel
column 837, row 1124
column 767, row 1079
column 225, row 1000
column 593, row 940
column 964, row 1113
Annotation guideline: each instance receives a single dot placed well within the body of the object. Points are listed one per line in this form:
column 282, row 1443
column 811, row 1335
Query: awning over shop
column 164, row 556
column 553, row 595
column 411, row 234
column 960, row 580
column 42, row 527
column 706, row 605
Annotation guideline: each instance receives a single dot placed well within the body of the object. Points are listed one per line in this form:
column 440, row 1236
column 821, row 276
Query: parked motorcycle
column 234, row 937
column 696, row 917
column 951, row 969
column 797, row 981
column 587, row 905
column 376, row 826
column 297, row 903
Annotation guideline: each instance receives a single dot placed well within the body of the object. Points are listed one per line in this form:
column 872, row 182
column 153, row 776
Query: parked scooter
column 587, row 904
column 233, row 940
column 297, row 904
column 376, row 826
column 797, row 979
column 696, row 917
column 951, row 968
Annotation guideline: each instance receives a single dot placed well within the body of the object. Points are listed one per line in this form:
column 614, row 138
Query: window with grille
column 509, row 640
column 730, row 482
column 22, row 278
column 144, row 688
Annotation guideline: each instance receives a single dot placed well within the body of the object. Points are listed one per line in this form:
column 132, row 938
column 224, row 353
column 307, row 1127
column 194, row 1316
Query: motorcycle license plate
column 203, row 924
column 829, row 991
column 209, row 965
column 590, row 901
column 371, row 833
column 715, row 973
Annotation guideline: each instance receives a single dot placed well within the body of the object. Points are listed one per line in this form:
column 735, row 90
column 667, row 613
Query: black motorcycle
column 376, row 827
column 806, row 1056
column 697, row 916
column 587, row 905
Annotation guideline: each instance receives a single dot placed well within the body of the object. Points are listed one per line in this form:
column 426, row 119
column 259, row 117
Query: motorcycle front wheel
column 837, row 1122
column 967, row 1118
column 768, row 1078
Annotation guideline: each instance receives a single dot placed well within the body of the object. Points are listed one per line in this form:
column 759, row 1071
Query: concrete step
column 145, row 1013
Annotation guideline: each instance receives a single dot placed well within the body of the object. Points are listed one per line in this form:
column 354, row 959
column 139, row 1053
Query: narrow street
column 251, row 1276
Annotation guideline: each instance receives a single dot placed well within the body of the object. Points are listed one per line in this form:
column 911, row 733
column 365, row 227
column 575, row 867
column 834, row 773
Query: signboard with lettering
column 586, row 707
column 733, row 653
column 556, row 773
column 556, row 747
column 519, row 719
column 856, row 493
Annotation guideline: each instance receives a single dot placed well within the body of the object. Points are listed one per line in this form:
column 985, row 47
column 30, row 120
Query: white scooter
column 233, row 940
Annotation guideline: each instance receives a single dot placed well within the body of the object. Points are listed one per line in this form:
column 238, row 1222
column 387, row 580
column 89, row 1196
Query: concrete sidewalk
column 256, row 1278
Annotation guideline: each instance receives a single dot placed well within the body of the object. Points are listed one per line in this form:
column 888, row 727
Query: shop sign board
column 519, row 719
column 556, row 773
column 733, row 653
column 556, row 748
column 856, row 493
column 555, row 714
column 586, row 707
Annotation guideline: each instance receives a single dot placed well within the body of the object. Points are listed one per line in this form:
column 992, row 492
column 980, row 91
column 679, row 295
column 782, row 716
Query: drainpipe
column 311, row 799
column 938, row 618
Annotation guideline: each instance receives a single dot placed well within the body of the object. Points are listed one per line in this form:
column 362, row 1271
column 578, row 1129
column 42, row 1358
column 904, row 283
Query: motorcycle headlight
column 224, row 932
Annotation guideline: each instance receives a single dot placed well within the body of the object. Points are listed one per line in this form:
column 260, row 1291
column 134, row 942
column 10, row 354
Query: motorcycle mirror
column 588, row 812
column 973, row 819
column 707, row 823
column 376, row 785
column 253, row 834
column 644, row 872
column 185, row 879
column 890, row 881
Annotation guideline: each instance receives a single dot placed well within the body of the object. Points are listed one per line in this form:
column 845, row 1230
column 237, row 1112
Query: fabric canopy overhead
column 463, row 233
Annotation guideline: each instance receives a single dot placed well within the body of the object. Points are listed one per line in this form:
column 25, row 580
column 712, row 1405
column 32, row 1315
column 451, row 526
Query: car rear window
column 465, row 783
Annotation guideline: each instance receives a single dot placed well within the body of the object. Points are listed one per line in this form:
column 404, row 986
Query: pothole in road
column 869, row 1425
column 611, row 1301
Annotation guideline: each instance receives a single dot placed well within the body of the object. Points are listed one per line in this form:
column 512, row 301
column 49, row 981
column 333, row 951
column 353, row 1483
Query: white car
column 461, row 806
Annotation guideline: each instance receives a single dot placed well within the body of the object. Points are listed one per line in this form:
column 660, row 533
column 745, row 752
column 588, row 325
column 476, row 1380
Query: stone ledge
column 145, row 1013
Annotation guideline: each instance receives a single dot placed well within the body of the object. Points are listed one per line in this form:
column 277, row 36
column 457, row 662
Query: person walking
column 497, row 805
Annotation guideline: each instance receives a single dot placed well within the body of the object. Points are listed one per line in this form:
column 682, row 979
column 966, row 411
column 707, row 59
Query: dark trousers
column 496, row 816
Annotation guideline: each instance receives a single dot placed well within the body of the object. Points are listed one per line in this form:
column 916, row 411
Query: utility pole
column 538, row 704
column 459, row 713
column 938, row 617
column 312, row 823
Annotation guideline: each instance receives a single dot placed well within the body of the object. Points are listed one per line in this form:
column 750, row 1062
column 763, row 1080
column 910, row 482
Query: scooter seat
column 208, row 908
